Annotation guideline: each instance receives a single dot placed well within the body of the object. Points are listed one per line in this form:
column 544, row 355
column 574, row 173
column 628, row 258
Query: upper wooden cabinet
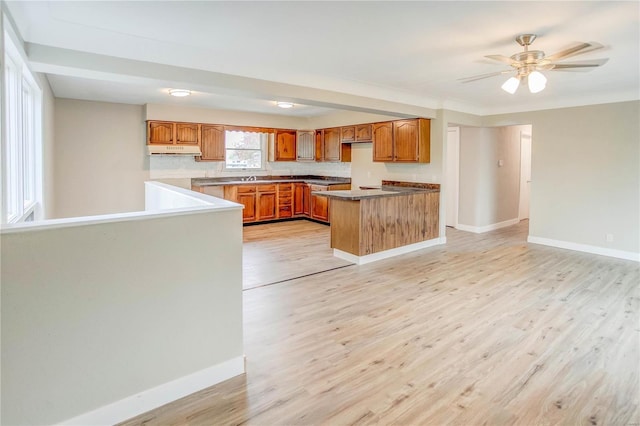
column 348, row 134
column 212, row 143
column 170, row 133
column 305, row 145
column 320, row 145
column 383, row 141
column 364, row 133
column 187, row 133
column 407, row 141
column 160, row 132
column 332, row 144
column 356, row 133
column 285, row 145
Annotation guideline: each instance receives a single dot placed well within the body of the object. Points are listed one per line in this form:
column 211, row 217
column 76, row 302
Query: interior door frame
column 452, row 175
column 525, row 138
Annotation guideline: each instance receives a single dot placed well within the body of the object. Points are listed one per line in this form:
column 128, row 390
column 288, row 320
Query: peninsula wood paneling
column 383, row 223
column 345, row 226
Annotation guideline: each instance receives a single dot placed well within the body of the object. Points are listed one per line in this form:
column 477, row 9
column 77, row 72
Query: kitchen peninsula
column 373, row 224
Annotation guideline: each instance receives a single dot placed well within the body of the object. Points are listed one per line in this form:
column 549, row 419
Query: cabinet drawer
column 284, row 201
column 266, row 188
column 243, row 189
column 285, row 211
column 285, row 187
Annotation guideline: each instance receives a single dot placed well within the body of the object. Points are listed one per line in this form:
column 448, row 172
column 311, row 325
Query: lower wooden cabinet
column 245, row 195
column 319, row 204
column 285, row 200
column 266, row 202
column 281, row 201
column 320, row 208
column 301, row 199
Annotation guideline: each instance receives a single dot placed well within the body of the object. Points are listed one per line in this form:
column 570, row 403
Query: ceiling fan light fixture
column 511, row 85
column 537, row 82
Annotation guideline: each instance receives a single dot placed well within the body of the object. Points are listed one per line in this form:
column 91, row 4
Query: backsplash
column 166, row 167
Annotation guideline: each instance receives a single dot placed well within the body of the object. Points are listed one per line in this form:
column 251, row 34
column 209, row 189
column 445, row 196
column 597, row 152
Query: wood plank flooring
column 276, row 252
column 486, row 330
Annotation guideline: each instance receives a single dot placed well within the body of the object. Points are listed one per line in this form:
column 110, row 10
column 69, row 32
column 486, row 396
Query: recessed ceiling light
column 179, row 92
column 285, row 104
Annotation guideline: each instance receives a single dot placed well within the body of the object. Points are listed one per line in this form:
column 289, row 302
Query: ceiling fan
column 528, row 64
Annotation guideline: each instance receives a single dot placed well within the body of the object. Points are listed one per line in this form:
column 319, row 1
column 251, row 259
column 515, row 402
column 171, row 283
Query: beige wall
column 93, row 314
column 364, row 171
column 99, row 157
column 585, row 171
column 489, row 192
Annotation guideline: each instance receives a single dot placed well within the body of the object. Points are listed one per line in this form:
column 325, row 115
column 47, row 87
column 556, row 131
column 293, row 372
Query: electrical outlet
column 608, row 238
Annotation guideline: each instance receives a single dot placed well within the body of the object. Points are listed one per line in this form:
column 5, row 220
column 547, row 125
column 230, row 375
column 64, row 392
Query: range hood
column 192, row 150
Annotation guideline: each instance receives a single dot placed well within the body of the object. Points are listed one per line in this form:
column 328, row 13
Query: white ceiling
column 246, row 55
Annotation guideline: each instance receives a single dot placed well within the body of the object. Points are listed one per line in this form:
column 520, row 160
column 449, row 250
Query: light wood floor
column 487, row 330
column 270, row 257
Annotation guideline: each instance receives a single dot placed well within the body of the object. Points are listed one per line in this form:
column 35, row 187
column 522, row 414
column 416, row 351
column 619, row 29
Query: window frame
column 21, row 160
column 264, row 144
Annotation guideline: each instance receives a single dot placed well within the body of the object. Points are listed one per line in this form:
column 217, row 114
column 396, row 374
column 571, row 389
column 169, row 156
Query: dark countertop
column 388, row 189
column 241, row 180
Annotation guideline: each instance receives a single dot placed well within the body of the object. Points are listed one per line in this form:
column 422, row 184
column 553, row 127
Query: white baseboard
column 603, row 251
column 361, row 260
column 487, row 228
column 149, row 399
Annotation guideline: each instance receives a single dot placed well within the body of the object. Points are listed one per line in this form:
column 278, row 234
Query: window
column 245, row 150
column 21, row 145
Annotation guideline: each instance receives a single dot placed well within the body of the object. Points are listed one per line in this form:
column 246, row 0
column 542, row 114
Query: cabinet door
column 319, row 145
column 212, row 141
column 266, row 205
column 298, row 198
column 405, row 140
column 383, row 141
column 187, row 133
column 285, row 145
column 305, row 146
column 332, row 144
column 320, row 208
column 160, row 132
column 248, row 200
column 348, row 134
column 363, row 133
column 306, row 200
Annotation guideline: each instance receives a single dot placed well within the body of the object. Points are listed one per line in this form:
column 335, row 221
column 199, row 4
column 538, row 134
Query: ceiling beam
column 54, row 60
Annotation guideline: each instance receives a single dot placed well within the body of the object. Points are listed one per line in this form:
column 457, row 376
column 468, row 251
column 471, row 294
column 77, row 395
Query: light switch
column 500, row 163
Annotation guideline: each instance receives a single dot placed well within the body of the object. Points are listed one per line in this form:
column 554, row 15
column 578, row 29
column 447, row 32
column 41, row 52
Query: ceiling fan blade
column 502, row 58
column 579, row 66
column 481, row 76
column 578, row 49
